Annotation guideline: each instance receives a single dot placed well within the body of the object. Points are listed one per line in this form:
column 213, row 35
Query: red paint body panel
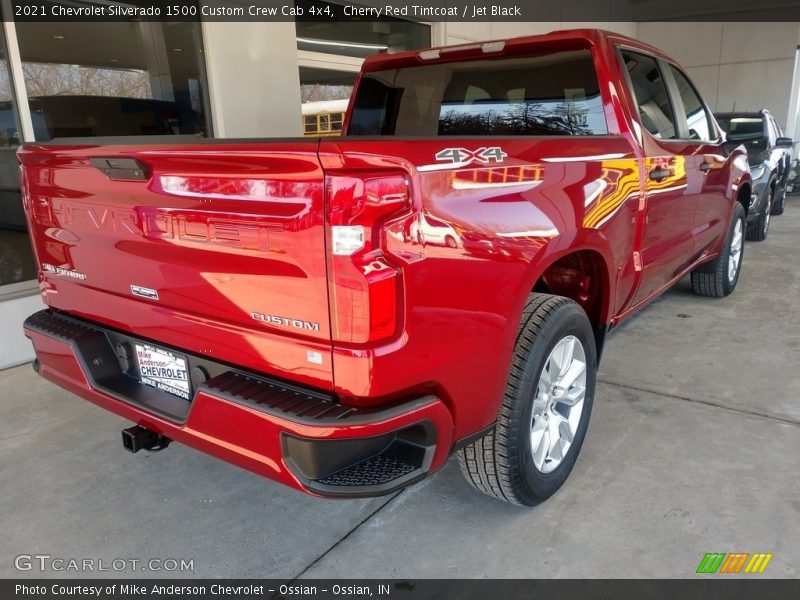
column 468, row 249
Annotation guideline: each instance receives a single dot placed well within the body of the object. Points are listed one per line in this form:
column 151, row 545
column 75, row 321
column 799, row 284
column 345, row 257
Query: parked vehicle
column 430, row 230
column 264, row 302
column 770, row 156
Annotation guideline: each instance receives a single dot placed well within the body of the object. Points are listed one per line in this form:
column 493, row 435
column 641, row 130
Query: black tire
column 450, row 241
column 779, row 204
column 757, row 232
column 501, row 463
column 711, row 279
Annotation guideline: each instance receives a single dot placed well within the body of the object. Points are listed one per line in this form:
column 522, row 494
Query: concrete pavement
column 693, row 448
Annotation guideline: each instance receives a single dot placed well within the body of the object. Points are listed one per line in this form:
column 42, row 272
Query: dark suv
column 770, row 157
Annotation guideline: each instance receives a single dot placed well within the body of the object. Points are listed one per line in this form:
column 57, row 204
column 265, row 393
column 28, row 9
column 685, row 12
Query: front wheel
column 535, row 442
column 719, row 277
column 760, row 228
column 779, row 204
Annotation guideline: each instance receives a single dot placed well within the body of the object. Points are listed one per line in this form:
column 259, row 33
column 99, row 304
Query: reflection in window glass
column 650, row 92
column 325, row 94
column 16, row 257
column 134, row 78
column 697, row 121
column 554, row 94
column 359, row 38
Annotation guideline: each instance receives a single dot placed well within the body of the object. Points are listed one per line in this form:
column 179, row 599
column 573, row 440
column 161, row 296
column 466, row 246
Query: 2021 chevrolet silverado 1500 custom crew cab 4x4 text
column 282, row 304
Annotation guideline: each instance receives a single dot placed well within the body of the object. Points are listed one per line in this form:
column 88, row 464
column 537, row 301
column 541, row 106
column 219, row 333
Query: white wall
column 748, row 66
column 253, row 77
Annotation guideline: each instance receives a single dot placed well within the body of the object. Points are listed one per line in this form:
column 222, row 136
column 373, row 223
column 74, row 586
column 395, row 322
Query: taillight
column 366, row 287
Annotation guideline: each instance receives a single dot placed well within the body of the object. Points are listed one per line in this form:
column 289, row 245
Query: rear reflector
column 347, row 239
column 366, row 285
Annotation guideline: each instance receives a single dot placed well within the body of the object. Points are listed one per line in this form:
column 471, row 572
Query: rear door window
column 553, row 94
column 698, row 121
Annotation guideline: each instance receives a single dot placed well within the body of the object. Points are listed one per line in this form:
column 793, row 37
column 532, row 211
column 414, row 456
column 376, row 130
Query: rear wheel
column 535, row 442
column 719, row 277
column 758, row 231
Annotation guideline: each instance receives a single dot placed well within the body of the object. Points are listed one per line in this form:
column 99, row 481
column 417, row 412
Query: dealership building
column 230, row 79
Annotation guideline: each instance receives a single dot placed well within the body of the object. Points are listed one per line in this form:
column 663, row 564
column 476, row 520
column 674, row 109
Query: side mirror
column 784, row 142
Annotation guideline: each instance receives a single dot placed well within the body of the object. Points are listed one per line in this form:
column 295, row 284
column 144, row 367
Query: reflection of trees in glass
column 5, row 82
column 525, row 118
column 75, row 80
column 314, row 92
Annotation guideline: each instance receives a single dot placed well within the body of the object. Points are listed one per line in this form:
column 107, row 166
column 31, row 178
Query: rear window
column 554, row 94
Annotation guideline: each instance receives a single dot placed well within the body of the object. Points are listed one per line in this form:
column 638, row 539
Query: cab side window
column 698, row 122
column 650, row 93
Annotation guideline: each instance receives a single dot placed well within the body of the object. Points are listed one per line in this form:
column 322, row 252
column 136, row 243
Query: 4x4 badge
column 463, row 156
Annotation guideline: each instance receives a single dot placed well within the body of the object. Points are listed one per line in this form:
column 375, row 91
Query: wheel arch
column 582, row 274
column 742, row 194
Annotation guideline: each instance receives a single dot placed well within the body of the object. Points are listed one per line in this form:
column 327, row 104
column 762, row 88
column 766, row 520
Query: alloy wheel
column 558, row 404
column 735, row 254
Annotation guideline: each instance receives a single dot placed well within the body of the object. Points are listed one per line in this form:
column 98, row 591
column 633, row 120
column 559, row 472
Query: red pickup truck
column 341, row 315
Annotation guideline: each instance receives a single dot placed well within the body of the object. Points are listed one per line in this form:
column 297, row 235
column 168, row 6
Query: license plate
column 163, row 370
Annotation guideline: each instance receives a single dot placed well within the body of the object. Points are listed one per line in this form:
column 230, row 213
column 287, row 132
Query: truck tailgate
column 222, row 244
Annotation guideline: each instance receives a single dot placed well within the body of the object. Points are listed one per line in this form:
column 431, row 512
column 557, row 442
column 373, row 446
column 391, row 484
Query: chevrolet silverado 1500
column 343, row 314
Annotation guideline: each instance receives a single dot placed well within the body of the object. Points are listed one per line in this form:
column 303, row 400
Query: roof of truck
column 510, row 46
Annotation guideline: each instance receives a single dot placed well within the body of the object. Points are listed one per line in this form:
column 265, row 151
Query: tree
column 42, row 79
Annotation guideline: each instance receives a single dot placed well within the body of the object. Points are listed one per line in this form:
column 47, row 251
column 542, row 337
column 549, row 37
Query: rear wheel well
column 581, row 276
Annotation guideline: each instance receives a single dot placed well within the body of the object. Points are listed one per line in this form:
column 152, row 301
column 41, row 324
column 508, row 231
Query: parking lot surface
column 693, row 448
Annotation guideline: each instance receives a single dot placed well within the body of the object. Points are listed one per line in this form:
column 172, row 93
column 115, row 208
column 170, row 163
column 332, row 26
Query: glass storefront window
column 325, row 94
column 88, row 79
column 361, row 38
column 16, row 257
column 318, row 85
column 114, row 79
column 331, row 54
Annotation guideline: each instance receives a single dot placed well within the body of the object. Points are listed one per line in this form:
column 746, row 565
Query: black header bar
column 705, row 587
column 419, row 10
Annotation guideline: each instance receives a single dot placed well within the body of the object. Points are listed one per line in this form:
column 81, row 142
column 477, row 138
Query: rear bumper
column 297, row 436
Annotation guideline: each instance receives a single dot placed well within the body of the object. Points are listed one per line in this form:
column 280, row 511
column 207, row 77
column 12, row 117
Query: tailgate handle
column 122, row 169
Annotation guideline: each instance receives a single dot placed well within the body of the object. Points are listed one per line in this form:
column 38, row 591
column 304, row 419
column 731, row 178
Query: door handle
column 660, row 173
column 705, row 166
